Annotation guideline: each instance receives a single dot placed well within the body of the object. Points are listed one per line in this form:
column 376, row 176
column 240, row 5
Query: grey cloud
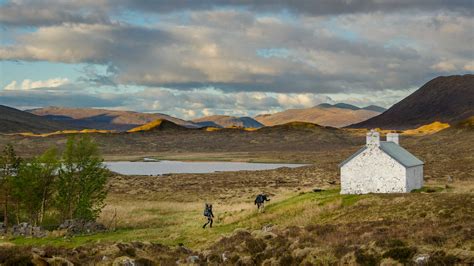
column 52, row 12
column 317, row 8
column 40, row 98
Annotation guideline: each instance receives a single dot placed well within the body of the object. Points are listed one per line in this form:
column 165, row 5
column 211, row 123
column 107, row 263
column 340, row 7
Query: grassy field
column 428, row 222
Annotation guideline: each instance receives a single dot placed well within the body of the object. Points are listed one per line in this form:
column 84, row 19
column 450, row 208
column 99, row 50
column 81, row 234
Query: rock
column 318, row 190
column 25, row 229
column 124, row 261
column 192, row 259
column 421, row 259
column 38, row 252
column 77, row 226
column 267, row 228
column 58, row 261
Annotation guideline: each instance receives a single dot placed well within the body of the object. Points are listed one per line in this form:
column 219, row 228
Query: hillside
column 14, row 121
column 105, row 119
column 445, row 99
column 159, row 124
column 338, row 115
column 227, row 121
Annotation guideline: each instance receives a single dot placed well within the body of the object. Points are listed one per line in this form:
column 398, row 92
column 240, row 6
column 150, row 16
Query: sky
column 191, row 58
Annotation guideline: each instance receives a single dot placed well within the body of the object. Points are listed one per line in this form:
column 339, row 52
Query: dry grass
column 147, row 126
column 427, row 129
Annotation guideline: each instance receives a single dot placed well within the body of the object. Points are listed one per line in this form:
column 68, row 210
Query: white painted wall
column 414, row 177
column 374, row 171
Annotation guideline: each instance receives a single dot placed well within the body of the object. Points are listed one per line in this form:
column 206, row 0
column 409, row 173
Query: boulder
column 77, row 226
column 58, row 261
column 124, row 261
column 26, row 229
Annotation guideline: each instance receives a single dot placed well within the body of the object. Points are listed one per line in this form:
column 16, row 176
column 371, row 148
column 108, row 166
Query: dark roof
column 393, row 150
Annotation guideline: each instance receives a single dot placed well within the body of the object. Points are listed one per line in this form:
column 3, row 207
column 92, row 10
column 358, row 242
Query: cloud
column 28, row 84
column 52, row 12
column 314, row 8
column 253, row 53
column 444, row 66
column 20, row 13
column 227, row 57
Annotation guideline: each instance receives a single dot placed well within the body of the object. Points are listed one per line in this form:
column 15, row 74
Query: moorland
column 158, row 219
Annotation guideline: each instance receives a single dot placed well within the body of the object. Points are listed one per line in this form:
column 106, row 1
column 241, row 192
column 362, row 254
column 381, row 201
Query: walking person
column 260, row 202
column 209, row 215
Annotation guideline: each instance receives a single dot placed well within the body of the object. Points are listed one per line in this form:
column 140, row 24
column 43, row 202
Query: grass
column 171, row 223
column 326, row 223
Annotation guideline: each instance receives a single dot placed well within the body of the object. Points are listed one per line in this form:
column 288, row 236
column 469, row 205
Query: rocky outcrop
column 26, row 229
column 75, row 226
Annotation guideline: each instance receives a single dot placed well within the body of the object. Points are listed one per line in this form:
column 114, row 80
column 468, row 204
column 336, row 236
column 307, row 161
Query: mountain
column 353, row 107
column 227, row 121
column 375, row 108
column 15, row 121
column 448, row 99
column 338, row 115
column 105, row 119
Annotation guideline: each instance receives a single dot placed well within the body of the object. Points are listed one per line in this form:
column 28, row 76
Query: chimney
column 373, row 138
column 393, row 137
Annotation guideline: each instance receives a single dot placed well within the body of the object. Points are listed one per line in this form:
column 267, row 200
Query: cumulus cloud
column 28, row 84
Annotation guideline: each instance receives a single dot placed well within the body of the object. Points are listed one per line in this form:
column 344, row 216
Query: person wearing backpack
column 209, row 215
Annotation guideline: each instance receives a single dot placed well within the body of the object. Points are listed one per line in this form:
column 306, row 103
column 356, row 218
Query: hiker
column 208, row 213
column 260, row 202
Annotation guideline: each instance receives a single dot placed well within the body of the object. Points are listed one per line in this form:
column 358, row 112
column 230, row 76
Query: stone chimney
column 393, row 137
column 373, row 138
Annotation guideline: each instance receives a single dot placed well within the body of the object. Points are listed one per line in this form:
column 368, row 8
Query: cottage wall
column 373, row 171
column 414, row 177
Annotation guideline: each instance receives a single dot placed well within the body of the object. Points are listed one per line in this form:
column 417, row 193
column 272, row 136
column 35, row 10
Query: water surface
column 175, row 167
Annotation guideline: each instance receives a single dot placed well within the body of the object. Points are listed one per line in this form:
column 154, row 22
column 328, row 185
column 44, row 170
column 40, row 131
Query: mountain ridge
column 323, row 114
column 447, row 99
column 13, row 120
column 105, row 119
column 227, row 121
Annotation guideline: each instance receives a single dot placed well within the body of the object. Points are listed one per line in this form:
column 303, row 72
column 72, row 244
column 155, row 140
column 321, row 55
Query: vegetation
column 9, row 164
column 70, row 186
column 81, row 181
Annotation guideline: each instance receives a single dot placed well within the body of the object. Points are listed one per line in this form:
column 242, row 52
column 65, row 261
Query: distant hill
column 227, row 121
column 447, row 99
column 338, row 115
column 157, row 125
column 375, row 108
column 15, row 121
column 105, row 119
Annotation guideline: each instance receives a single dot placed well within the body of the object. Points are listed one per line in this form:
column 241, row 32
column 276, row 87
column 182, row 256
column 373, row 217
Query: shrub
column 402, row 254
column 440, row 258
column 365, row 258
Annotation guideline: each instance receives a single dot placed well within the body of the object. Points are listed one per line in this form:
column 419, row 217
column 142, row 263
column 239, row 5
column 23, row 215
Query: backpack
column 207, row 211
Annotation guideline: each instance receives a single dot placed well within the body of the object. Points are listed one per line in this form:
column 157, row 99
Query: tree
column 33, row 186
column 82, row 179
column 9, row 164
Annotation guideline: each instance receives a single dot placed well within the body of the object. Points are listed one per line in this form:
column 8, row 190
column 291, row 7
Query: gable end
column 352, row 156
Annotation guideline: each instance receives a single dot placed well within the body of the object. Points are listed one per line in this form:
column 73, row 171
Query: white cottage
column 381, row 167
